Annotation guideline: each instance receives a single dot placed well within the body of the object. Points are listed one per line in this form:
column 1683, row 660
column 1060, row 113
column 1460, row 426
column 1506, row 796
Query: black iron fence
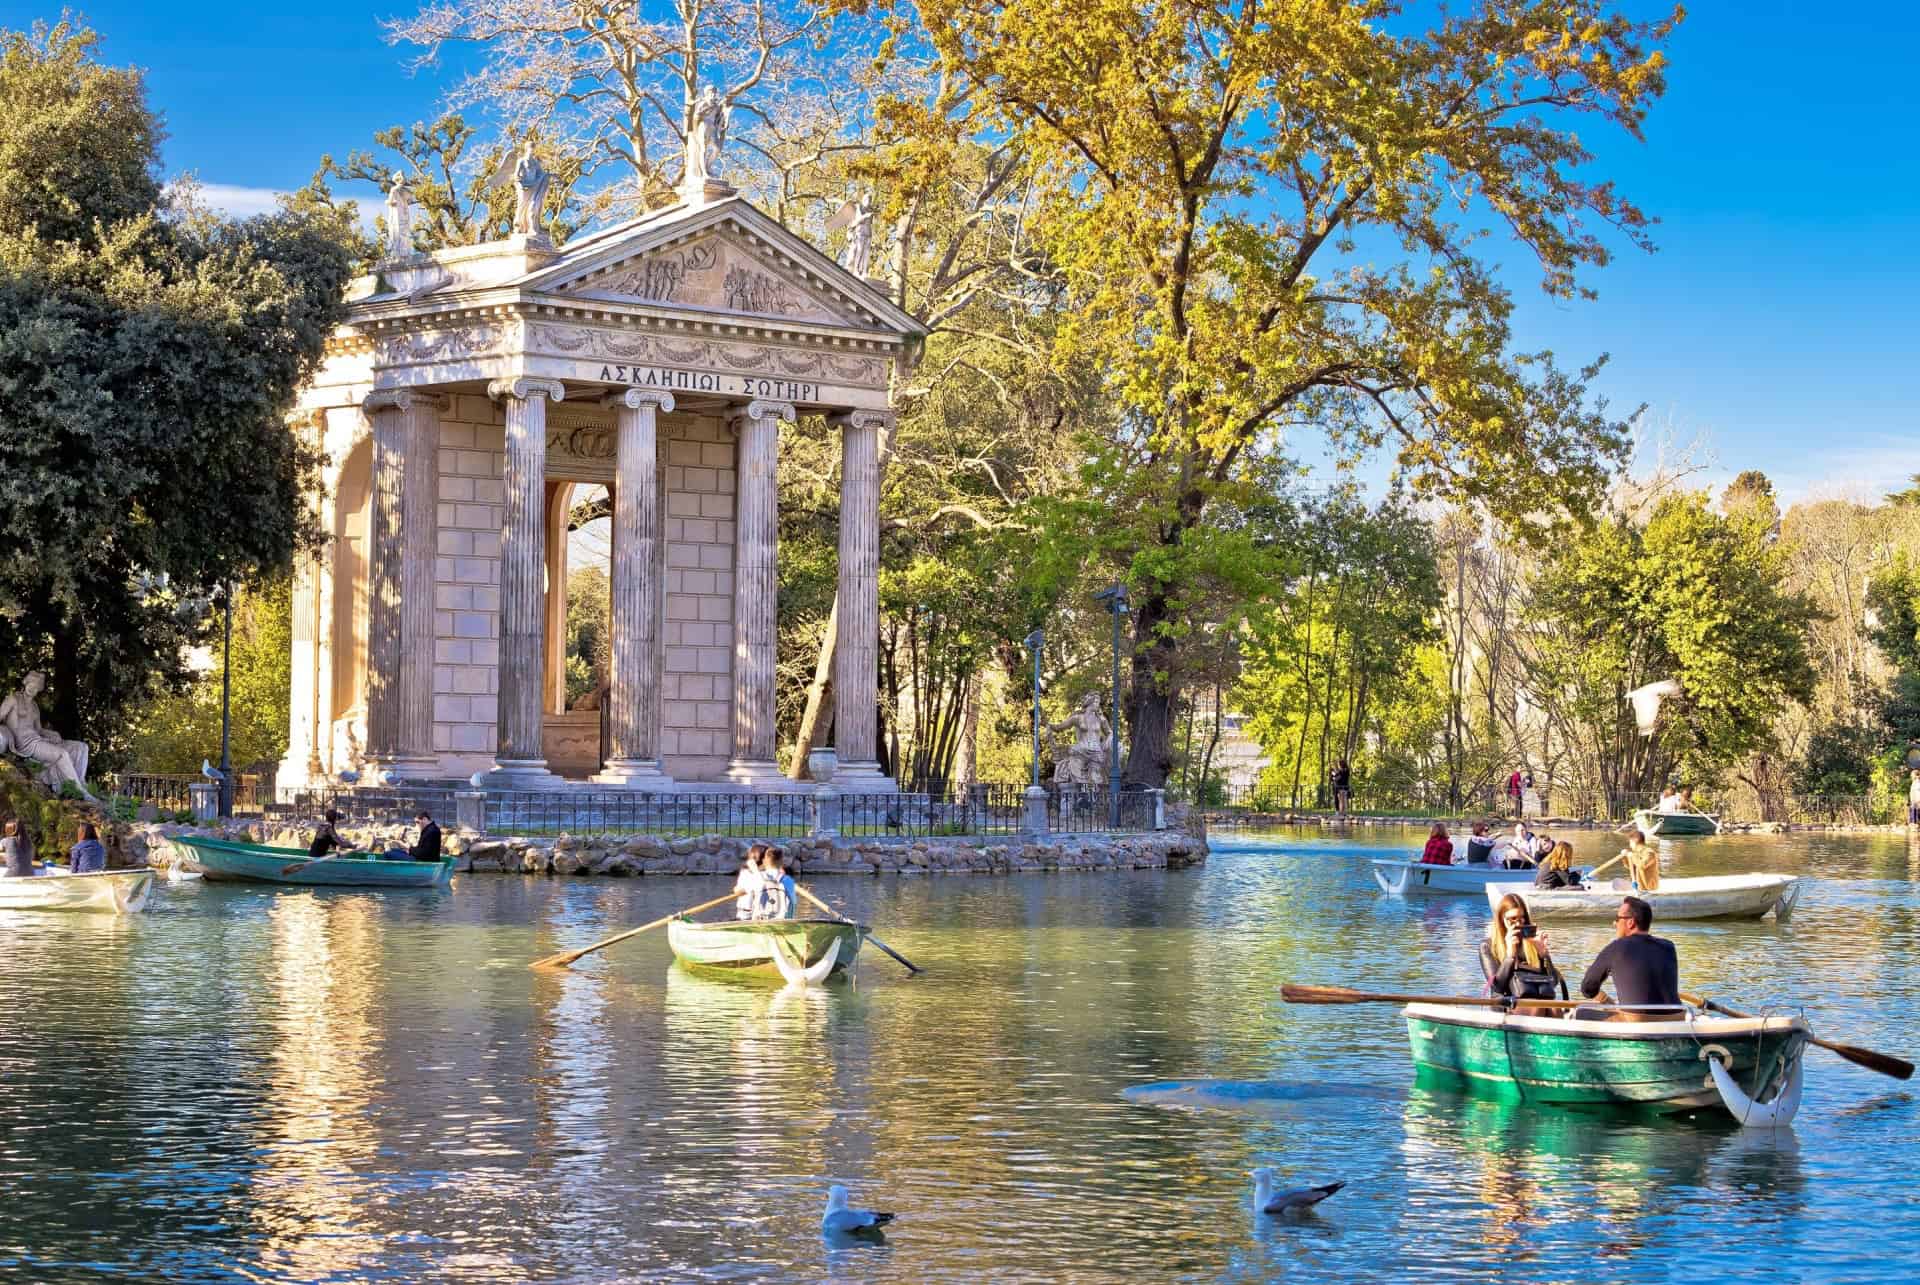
column 985, row 810
column 168, row 791
column 1236, row 804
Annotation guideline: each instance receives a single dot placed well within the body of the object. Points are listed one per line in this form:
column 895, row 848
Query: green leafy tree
column 176, row 731
column 1263, row 216
column 149, row 355
column 1693, row 595
column 589, row 632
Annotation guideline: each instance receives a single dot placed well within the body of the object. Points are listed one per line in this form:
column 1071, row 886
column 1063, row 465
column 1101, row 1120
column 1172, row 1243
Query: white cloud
column 240, row 202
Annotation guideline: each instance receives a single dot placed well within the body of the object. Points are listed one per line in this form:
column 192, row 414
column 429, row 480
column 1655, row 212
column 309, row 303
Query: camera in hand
column 1528, row 930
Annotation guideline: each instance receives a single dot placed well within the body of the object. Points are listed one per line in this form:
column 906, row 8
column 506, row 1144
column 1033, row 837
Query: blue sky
column 1775, row 327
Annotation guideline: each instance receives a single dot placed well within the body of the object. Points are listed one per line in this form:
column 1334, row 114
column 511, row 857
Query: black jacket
column 428, row 849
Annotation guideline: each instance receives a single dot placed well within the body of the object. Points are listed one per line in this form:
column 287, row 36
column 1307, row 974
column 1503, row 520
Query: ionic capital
column 395, row 399
column 638, row 399
column 762, row 410
column 523, row 387
column 863, row 419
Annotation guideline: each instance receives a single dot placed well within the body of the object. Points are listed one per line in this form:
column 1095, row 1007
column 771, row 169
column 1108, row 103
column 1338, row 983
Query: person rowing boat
column 1645, row 970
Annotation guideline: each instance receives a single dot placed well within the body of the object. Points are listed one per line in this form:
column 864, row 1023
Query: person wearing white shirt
column 749, row 884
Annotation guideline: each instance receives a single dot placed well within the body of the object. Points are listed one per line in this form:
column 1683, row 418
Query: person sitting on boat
column 1518, row 848
column 18, row 850
column 1557, row 870
column 88, row 854
column 425, row 848
column 1514, row 956
column 1543, row 846
column 326, row 840
column 1439, row 849
column 746, row 884
column 782, row 893
column 1480, row 845
column 1645, row 969
column 1669, row 800
column 1643, row 863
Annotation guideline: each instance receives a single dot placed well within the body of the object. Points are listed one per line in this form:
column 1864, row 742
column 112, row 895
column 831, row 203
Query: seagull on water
column 1267, row 1201
column 842, row 1221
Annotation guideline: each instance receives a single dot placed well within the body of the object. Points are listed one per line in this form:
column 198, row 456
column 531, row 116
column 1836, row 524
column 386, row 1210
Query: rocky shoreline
column 635, row 855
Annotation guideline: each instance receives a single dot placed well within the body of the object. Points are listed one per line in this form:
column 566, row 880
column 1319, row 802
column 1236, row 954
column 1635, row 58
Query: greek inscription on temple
column 700, row 381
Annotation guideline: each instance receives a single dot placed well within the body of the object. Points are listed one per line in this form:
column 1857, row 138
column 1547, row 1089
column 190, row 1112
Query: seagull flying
column 842, row 1221
column 212, row 773
column 1267, row 1201
column 1646, row 703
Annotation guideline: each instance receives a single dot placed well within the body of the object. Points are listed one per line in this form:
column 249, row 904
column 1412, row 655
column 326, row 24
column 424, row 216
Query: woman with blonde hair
column 1556, row 870
column 1514, row 956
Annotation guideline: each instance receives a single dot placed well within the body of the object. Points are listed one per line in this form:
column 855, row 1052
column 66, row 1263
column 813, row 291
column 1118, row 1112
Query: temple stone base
column 400, row 769
column 759, row 774
column 632, row 774
column 521, row 774
column 862, row 778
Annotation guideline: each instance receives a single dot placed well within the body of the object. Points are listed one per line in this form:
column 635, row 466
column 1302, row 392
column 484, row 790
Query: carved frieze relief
column 586, row 442
column 436, row 345
column 586, row 342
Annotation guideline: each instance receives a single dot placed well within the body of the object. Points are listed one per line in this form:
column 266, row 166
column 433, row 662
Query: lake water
column 247, row 1085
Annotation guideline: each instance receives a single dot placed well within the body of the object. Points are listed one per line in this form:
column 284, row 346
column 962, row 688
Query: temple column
column 520, row 763
column 755, row 588
column 856, row 651
column 633, row 695
column 402, row 522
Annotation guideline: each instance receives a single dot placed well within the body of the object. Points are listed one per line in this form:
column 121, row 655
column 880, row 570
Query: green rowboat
column 1668, row 825
column 747, row 946
column 225, row 860
column 1662, row 1065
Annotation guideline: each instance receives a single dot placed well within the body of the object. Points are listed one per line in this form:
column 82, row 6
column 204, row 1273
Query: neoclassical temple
column 472, row 391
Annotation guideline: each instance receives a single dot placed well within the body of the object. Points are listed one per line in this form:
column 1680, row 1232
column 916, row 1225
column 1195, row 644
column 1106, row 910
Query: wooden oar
column 1886, row 1064
column 310, row 861
column 567, row 957
column 910, row 965
column 1295, row 994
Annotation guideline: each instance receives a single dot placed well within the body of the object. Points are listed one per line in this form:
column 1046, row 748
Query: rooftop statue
column 530, row 181
column 399, row 217
column 705, row 138
column 856, row 216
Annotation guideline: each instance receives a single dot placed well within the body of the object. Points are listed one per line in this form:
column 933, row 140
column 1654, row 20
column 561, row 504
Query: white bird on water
column 842, row 1221
column 1268, row 1201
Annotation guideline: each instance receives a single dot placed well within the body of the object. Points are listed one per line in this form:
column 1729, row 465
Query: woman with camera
column 1514, row 957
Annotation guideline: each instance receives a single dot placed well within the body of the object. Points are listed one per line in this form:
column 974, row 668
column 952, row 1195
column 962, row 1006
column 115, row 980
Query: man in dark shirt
column 428, row 848
column 326, row 838
column 1645, row 969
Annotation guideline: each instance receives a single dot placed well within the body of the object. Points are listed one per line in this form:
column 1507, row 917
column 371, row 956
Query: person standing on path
column 1342, row 787
column 1913, row 799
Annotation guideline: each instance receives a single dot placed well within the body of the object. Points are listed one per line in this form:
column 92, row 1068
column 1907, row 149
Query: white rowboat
column 111, row 892
column 1417, row 879
column 1719, row 897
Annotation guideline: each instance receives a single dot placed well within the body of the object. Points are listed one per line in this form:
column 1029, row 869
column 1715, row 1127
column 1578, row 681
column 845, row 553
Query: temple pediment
column 716, row 273
column 727, row 259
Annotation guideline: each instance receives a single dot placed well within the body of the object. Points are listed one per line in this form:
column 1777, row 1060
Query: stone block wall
column 466, row 650
column 696, row 724
column 697, row 523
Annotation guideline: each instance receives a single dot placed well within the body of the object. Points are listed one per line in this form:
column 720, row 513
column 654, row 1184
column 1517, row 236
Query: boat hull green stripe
column 748, row 945
column 223, row 860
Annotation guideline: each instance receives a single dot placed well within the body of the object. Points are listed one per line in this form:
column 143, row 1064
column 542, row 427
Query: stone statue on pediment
column 706, row 136
column 856, row 216
column 399, row 217
column 530, row 181
column 64, row 762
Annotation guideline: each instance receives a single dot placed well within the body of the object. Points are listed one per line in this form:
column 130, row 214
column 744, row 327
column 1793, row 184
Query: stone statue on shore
column 705, row 138
column 65, row 762
column 399, row 217
column 1085, row 762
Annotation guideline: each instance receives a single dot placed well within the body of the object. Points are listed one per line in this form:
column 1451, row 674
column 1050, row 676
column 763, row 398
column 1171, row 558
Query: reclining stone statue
column 64, row 762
